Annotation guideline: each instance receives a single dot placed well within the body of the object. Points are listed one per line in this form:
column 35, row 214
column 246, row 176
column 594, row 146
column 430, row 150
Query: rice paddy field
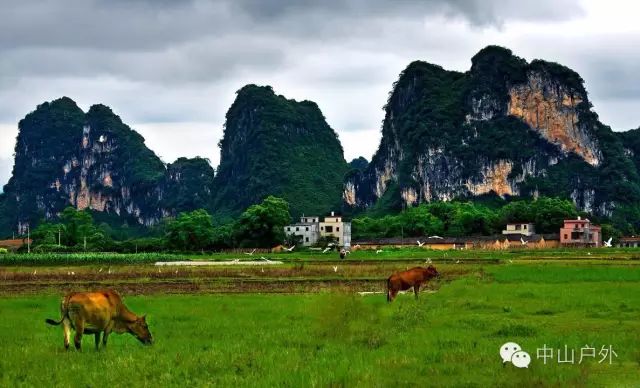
column 318, row 322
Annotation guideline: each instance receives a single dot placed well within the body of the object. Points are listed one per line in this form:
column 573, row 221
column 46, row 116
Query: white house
column 525, row 229
column 310, row 229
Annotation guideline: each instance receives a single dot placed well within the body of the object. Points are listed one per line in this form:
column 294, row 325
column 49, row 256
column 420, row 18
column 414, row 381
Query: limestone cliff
column 505, row 127
column 66, row 157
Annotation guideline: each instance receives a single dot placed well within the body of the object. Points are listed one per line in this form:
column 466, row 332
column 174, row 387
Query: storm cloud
column 170, row 68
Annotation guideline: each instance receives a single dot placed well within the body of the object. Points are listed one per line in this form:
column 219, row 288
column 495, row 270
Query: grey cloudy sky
column 170, row 68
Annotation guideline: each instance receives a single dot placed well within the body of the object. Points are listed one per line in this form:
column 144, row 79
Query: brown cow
column 99, row 312
column 413, row 277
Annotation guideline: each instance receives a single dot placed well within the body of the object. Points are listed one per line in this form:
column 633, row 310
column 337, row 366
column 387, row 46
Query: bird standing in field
column 325, row 250
column 335, row 268
column 523, row 242
column 379, row 251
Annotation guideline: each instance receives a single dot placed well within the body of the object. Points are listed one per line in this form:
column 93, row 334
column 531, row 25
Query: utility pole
column 28, row 239
column 59, row 236
column 85, row 243
column 402, row 226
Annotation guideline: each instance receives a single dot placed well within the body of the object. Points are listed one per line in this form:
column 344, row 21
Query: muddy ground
column 150, row 279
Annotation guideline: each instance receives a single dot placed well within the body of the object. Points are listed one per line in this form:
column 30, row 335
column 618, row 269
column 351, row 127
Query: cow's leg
column 104, row 338
column 97, row 338
column 393, row 294
column 66, row 329
column 416, row 289
column 77, row 339
column 107, row 331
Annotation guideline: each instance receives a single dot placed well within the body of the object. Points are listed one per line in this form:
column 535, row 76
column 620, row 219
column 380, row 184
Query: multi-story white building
column 310, row 229
column 334, row 227
column 523, row 228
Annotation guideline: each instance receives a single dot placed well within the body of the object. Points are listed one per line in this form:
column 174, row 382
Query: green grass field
column 447, row 338
column 306, row 255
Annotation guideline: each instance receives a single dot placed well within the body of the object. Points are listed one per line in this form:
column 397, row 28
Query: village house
column 311, row 229
column 629, row 242
column 14, row 244
column 308, row 230
column 580, row 233
column 520, row 228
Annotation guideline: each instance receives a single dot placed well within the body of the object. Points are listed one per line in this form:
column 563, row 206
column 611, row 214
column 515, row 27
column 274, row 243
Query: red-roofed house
column 580, row 232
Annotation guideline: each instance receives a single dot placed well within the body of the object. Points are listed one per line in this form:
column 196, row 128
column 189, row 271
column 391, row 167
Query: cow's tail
column 64, row 312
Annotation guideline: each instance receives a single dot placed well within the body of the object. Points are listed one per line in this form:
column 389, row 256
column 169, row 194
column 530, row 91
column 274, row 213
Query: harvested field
column 148, row 279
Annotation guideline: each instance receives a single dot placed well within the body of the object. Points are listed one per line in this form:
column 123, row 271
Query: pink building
column 580, row 233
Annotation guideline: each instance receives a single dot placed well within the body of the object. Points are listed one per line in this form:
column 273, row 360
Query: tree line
column 262, row 225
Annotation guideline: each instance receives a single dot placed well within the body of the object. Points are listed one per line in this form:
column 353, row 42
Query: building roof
column 578, row 221
column 14, row 244
column 302, row 224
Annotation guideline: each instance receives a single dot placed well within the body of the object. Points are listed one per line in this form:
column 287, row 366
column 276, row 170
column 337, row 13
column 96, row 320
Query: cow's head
column 432, row 272
column 140, row 330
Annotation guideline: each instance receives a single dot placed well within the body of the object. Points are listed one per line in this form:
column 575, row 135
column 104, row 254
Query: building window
column 306, row 239
column 297, row 229
column 524, row 226
column 322, row 228
column 329, row 229
column 288, row 229
column 518, row 227
column 307, row 228
column 337, row 228
column 566, row 236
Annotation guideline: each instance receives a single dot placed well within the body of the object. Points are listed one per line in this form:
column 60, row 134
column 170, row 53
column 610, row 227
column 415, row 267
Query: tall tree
column 262, row 225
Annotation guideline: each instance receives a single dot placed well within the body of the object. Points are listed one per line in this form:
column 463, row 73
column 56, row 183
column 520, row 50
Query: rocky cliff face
column 65, row 157
column 551, row 109
column 276, row 146
column 506, row 127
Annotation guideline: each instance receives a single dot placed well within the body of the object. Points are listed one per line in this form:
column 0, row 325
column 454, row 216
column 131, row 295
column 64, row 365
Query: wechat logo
column 513, row 353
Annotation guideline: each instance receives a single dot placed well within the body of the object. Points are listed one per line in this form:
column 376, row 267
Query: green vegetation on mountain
column 189, row 185
column 359, row 163
column 281, row 147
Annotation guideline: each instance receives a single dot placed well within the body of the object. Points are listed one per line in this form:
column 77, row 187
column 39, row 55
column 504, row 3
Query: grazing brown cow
column 413, row 277
column 99, row 312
